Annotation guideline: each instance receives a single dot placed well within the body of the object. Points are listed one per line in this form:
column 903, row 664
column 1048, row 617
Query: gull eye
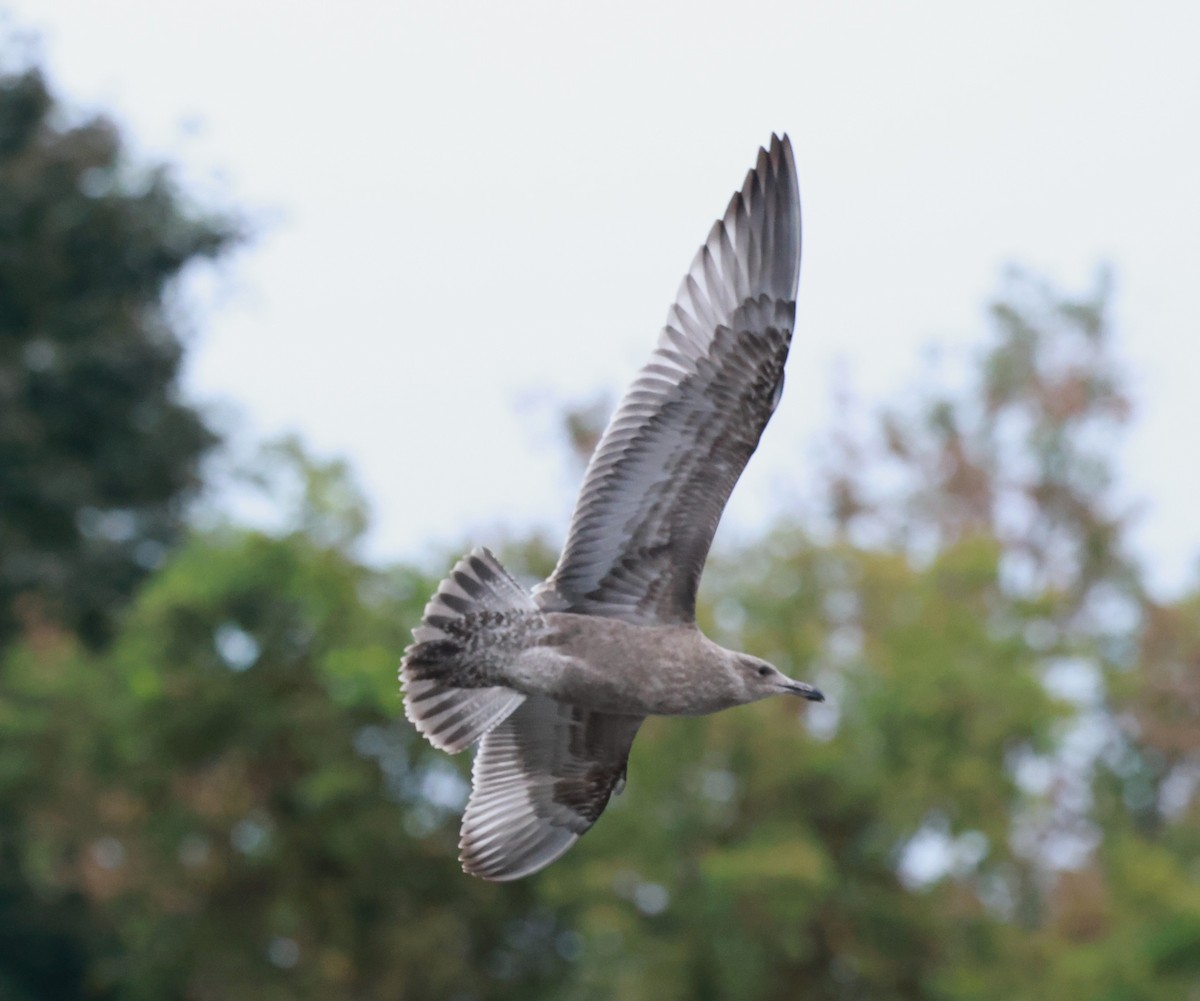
column 764, row 671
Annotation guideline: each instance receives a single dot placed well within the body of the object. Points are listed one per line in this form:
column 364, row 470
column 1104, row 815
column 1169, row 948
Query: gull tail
column 453, row 673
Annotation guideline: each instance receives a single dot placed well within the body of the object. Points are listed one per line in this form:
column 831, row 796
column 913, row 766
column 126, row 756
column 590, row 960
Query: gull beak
column 804, row 691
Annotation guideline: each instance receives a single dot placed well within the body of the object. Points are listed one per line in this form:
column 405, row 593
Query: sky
column 469, row 214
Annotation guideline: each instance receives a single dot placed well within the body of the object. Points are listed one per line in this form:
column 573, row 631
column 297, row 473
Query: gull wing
column 539, row 781
column 658, row 481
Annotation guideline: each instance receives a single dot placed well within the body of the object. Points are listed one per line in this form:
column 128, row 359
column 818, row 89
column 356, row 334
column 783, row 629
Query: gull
column 554, row 683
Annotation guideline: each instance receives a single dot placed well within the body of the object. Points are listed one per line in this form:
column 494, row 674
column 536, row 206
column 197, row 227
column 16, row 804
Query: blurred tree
column 229, row 804
column 230, row 800
column 97, row 453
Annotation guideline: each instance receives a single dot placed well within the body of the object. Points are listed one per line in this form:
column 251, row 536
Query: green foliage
column 233, row 796
column 228, row 803
column 97, row 454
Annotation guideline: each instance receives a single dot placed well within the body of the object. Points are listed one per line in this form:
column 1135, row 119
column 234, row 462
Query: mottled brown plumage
column 555, row 685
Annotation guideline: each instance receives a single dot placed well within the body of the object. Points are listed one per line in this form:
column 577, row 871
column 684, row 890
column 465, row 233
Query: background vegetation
column 208, row 790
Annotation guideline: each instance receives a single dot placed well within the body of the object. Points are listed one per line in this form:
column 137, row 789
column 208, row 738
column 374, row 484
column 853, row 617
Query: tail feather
column 478, row 619
column 452, row 719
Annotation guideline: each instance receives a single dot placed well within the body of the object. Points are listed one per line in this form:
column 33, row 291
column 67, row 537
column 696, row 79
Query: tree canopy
column 97, row 452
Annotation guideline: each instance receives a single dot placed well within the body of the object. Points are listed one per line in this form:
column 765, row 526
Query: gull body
column 679, row 671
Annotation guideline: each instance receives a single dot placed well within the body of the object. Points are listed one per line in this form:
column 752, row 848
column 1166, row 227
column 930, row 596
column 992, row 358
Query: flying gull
column 555, row 684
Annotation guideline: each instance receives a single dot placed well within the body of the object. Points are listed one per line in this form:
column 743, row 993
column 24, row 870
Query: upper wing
column 660, row 477
column 539, row 780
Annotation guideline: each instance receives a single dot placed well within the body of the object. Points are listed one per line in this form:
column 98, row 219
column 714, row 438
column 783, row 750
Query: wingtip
column 781, row 153
column 783, row 163
column 779, row 146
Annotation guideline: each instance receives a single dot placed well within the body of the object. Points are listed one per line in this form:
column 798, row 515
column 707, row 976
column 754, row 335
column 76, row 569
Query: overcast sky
column 470, row 213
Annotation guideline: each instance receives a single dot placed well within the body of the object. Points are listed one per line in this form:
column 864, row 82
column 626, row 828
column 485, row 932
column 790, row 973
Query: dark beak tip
column 806, row 691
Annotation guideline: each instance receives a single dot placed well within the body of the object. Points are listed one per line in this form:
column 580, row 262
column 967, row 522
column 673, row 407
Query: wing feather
column 673, row 451
column 541, row 778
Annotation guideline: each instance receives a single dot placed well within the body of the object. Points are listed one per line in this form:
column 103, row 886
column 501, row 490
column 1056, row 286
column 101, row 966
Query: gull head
column 759, row 679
